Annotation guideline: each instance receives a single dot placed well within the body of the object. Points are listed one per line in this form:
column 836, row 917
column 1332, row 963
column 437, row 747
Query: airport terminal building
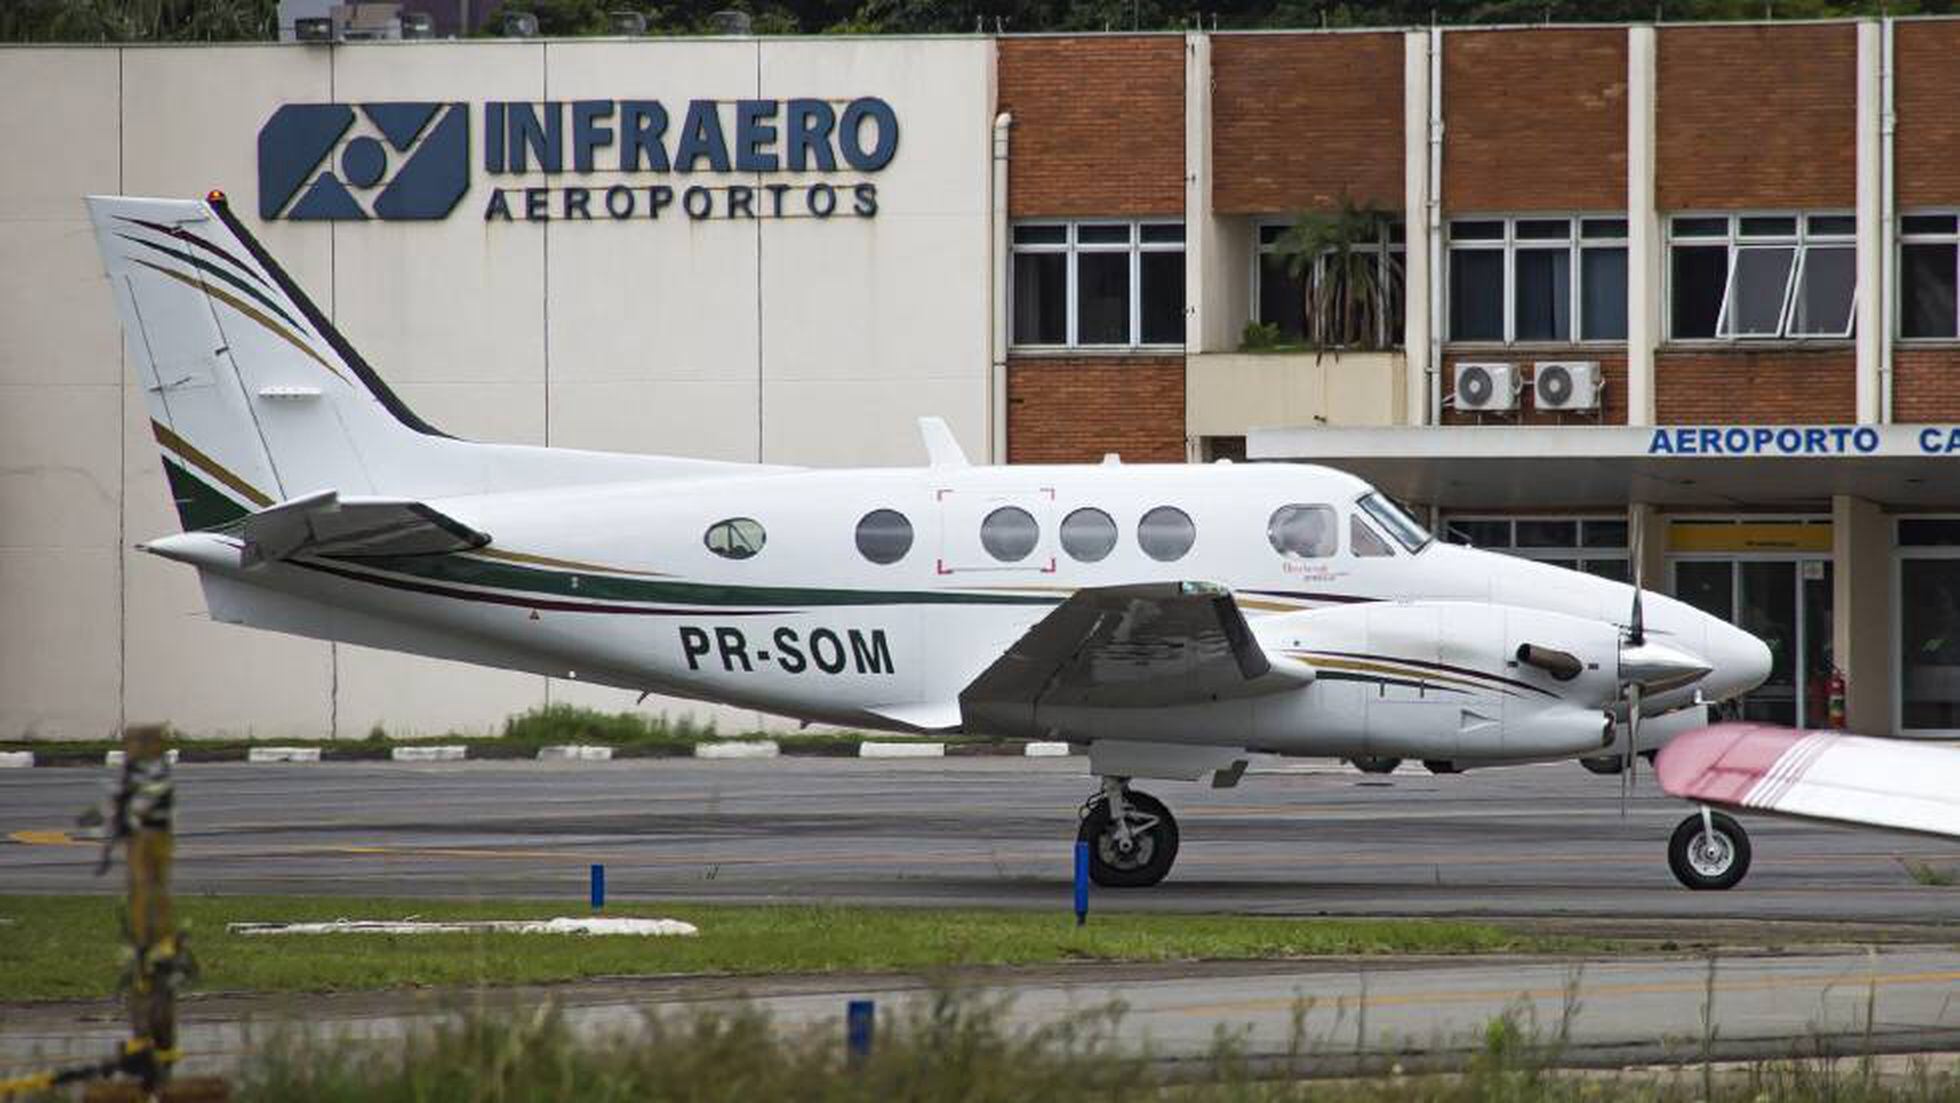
column 1691, row 289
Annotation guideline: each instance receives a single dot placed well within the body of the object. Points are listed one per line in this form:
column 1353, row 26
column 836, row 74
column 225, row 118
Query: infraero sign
column 594, row 160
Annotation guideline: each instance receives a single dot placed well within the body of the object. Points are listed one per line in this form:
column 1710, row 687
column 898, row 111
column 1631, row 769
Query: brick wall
column 1535, row 120
column 1757, row 117
column 1098, row 125
column 1927, row 61
column 1925, row 384
column 1073, row 410
column 1296, row 119
column 1767, row 387
column 1613, row 396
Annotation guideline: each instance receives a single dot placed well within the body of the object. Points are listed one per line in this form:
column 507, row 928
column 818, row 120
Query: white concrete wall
column 789, row 340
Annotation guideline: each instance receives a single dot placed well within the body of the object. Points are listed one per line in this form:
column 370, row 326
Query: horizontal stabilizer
column 329, row 525
column 1888, row 783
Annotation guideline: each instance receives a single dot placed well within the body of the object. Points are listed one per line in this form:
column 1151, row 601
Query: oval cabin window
column 1009, row 534
column 1088, row 535
column 1166, row 533
column 1305, row 532
column 735, row 538
column 884, row 536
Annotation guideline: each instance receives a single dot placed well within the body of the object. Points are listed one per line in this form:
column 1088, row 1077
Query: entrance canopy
column 1719, row 466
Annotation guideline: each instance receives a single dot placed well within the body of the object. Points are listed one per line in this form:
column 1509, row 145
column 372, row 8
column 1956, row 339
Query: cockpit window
column 735, row 538
column 1406, row 530
column 1364, row 542
column 1304, row 532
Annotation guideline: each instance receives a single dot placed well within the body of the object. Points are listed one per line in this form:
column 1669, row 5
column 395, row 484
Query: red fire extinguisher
column 1834, row 698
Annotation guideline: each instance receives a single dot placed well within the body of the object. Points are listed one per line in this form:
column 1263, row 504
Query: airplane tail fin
column 253, row 396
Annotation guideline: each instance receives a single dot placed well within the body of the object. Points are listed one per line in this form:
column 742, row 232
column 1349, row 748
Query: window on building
column 1098, row 284
column 884, row 536
column 1538, row 280
column 735, row 538
column 1929, row 257
column 1281, row 297
column 1595, row 545
column 1929, row 623
column 1761, row 276
column 1166, row 533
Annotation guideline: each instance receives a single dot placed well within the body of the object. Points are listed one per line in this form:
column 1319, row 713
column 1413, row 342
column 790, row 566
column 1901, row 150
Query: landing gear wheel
column 1139, row 861
column 1606, row 764
column 1705, row 861
column 1441, row 766
column 1375, row 764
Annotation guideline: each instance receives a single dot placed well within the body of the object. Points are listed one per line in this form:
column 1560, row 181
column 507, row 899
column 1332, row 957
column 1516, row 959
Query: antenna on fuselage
column 942, row 448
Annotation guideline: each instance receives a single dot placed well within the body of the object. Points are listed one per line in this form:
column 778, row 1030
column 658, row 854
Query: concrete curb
column 441, row 753
column 1046, row 749
column 114, row 759
column 874, row 749
column 739, row 748
column 16, row 760
column 575, row 752
column 283, row 754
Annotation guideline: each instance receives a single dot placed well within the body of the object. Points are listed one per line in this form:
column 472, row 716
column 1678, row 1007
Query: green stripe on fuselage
column 471, row 571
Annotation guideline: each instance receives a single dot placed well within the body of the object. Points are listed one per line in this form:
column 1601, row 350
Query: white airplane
column 1173, row 618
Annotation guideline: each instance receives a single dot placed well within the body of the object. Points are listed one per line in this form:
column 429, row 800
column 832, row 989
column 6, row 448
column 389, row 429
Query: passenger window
column 1364, row 541
column 1166, row 533
column 884, row 536
column 735, row 538
column 1304, row 532
column 1088, row 535
column 1009, row 534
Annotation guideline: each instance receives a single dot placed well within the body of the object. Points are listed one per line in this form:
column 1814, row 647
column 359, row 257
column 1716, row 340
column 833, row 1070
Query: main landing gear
column 1709, row 851
column 1132, row 837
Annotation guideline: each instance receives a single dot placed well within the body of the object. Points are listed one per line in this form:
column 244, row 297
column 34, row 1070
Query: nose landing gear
column 1709, row 851
column 1132, row 837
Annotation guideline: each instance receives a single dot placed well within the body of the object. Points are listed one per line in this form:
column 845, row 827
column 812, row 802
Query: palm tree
column 1352, row 283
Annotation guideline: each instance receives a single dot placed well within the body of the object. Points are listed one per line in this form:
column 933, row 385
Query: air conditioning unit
column 1487, row 386
column 1565, row 384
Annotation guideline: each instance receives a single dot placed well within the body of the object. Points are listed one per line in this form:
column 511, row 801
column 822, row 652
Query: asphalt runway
column 1541, row 841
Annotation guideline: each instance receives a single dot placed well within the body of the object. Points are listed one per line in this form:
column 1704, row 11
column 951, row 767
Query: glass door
column 1788, row 604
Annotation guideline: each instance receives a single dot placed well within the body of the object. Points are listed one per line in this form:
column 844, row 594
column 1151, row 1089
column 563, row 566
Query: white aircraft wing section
column 1150, row 645
column 1889, row 783
column 327, row 524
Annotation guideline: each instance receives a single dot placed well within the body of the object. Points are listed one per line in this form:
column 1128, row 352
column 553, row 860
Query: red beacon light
column 214, row 196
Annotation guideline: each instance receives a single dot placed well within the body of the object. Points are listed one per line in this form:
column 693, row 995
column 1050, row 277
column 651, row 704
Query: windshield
column 1407, row 531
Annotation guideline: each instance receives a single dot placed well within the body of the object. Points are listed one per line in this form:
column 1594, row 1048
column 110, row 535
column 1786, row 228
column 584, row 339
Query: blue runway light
column 860, row 1016
column 1081, row 883
column 598, row 886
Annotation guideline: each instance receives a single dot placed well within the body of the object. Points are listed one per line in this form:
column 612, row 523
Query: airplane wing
column 327, row 524
column 1149, row 645
column 1890, row 783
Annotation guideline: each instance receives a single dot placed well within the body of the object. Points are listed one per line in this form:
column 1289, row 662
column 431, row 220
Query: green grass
column 1926, row 873
column 70, row 946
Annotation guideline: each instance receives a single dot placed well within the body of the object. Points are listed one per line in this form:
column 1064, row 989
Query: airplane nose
column 1741, row 661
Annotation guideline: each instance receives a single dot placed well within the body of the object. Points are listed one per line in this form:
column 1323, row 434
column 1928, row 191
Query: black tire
column 1706, row 870
column 1375, row 764
column 1441, row 766
column 1155, row 847
column 1606, row 765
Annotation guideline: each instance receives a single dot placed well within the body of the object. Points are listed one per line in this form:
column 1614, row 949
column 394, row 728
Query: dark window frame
column 1597, row 232
column 1143, row 236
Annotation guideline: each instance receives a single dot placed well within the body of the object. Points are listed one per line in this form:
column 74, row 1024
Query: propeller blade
column 1637, row 623
column 1632, row 754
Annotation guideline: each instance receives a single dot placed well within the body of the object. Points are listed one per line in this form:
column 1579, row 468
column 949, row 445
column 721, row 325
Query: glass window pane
column 1041, row 235
column 1927, row 290
column 1544, row 229
column 1701, row 226
column 1548, row 534
column 1603, row 534
column 1162, row 305
column 884, row 536
column 1757, row 288
column 1615, row 569
column 1695, row 288
column 1834, row 225
column 735, row 538
column 1271, row 234
column 1542, row 286
column 1158, row 232
column 1303, row 532
column 1478, row 534
column 1102, row 298
column 1929, row 224
column 1166, row 533
column 1040, row 298
column 1282, row 297
column 1708, row 586
column 1603, row 294
column 1766, row 226
column 1009, row 534
column 1389, row 514
column 1607, row 228
column 1398, row 233
column 1929, row 532
column 1364, row 541
column 1103, row 233
column 1929, row 638
column 1088, row 535
column 1824, row 293
column 1476, row 295
column 1464, row 229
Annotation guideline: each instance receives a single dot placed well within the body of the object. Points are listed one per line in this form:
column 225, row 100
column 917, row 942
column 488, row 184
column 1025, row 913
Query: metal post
column 1081, row 883
column 598, row 886
column 860, row 1017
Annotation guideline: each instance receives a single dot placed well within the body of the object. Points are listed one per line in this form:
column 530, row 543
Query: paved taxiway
column 1541, row 841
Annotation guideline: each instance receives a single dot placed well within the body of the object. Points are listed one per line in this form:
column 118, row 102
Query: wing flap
column 1889, row 783
column 1150, row 645
column 329, row 525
